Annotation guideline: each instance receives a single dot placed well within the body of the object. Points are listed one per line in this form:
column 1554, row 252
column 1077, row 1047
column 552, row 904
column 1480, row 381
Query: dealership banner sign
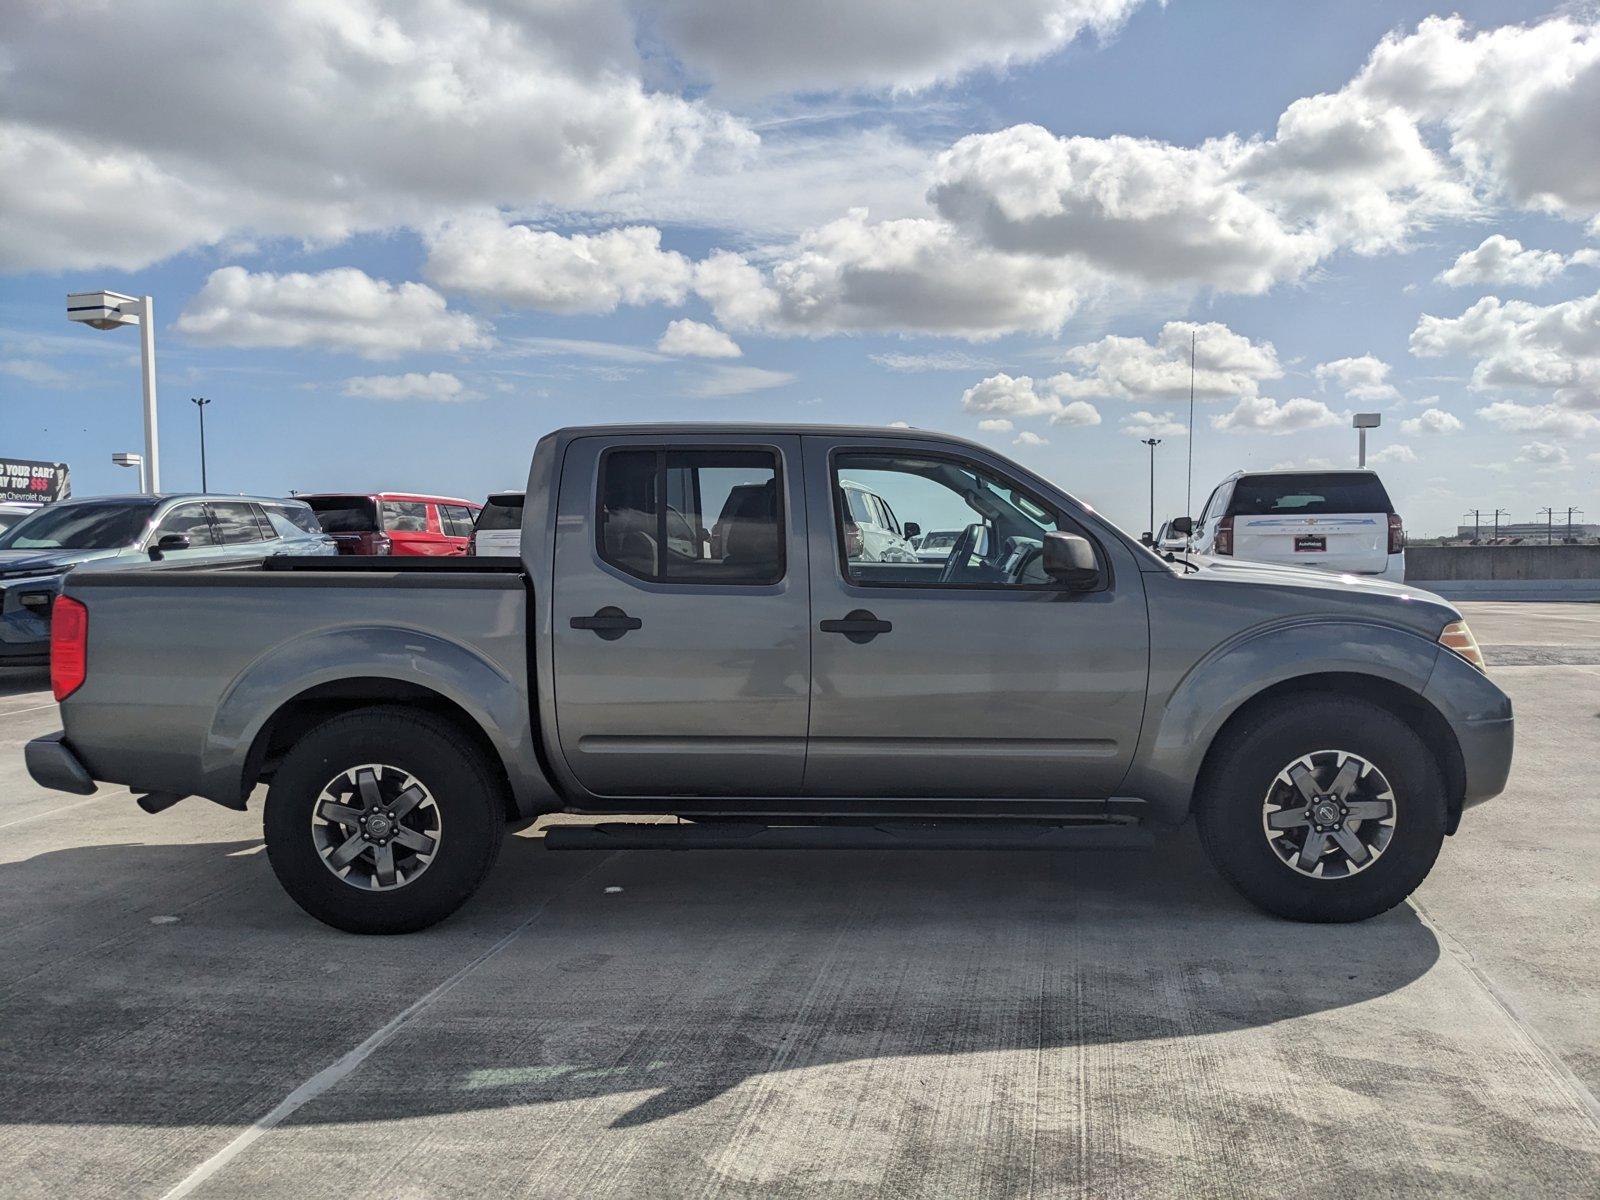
column 23, row 479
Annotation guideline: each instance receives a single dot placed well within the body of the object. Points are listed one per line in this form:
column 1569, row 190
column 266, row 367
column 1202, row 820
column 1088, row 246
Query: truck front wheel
column 1324, row 809
column 383, row 821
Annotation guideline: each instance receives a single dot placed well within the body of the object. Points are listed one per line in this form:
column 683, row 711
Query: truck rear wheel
column 383, row 821
column 1326, row 809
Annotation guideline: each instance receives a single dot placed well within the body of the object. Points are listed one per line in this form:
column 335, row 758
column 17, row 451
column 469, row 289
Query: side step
column 948, row 835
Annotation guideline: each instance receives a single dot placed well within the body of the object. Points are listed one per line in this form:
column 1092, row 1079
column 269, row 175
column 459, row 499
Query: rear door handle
column 859, row 626
column 609, row 623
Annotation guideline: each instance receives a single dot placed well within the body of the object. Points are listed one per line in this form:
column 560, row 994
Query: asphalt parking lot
column 809, row 1023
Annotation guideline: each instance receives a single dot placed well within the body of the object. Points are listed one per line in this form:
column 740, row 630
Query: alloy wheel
column 1329, row 814
column 377, row 827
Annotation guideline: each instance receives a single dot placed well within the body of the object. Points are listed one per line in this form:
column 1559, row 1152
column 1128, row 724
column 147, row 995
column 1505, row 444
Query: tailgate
column 1354, row 542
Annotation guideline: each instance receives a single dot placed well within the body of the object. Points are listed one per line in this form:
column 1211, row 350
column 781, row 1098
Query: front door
column 680, row 616
column 972, row 675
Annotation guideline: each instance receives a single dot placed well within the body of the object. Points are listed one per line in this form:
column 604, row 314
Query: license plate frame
column 1311, row 543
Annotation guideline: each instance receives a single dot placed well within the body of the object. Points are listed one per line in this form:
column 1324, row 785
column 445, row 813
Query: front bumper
column 53, row 764
column 25, row 619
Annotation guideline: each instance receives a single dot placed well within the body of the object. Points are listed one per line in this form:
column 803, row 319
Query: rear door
column 455, row 522
column 412, row 529
column 681, row 659
column 1335, row 520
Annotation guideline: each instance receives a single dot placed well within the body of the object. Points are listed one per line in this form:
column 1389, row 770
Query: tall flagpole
column 1188, row 490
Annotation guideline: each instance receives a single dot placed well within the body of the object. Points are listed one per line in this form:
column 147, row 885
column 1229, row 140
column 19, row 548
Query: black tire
column 469, row 808
column 1247, row 761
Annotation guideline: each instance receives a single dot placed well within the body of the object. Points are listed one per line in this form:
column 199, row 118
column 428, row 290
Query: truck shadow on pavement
column 706, row 970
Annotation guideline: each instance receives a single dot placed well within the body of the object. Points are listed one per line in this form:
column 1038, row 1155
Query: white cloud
column 1363, row 379
column 413, row 385
column 315, row 121
column 1260, row 414
column 1028, row 438
column 1547, row 456
column 899, row 424
column 535, row 268
column 1399, row 452
column 995, row 425
column 31, row 370
column 1553, row 348
column 944, row 360
column 1227, row 365
column 1500, row 261
column 341, row 309
column 692, row 339
column 736, row 381
column 1306, row 464
column 1144, row 424
column 912, row 276
column 756, row 47
column 1018, row 397
column 1433, row 420
column 1540, row 418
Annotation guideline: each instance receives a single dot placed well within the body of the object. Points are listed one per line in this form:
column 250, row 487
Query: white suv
column 1340, row 521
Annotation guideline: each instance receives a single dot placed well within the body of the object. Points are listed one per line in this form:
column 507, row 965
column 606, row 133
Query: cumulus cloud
column 1260, row 414
column 341, row 309
column 1363, row 379
column 1028, row 438
column 1018, row 397
column 535, row 268
column 1226, row 365
column 912, row 275
column 736, row 381
column 1547, row 456
column 1433, row 420
column 1399, row 452
column 995, row 425
column 1540, row 418
column 753, row 47
column 693, row 339
column 1515, row 343
column 1144, row 424
column 413, row 385
column 1500, row 261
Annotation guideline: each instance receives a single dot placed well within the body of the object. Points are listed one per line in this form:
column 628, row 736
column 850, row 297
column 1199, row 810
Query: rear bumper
column 53, row 764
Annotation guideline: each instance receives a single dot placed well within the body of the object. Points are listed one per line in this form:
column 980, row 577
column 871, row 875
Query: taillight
column 1397, row 534
column 69, row 646
column 1224, row 540
column 381, row 544
column 472, row 542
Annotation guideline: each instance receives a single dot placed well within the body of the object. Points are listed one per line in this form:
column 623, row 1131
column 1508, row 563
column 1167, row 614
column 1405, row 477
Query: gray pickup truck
column 696, row 629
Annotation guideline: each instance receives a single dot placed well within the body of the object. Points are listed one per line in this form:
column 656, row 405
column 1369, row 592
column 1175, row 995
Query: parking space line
column 336, row 1072
column 54, row 811
column 13, row 712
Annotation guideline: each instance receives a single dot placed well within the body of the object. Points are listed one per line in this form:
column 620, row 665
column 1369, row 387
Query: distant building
column 1528, row 531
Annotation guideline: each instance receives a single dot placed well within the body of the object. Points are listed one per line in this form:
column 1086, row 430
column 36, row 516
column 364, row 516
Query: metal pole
column 200, row 402
column 1188, row 487
column 1152, row 443
column 1498, row 513
column 147, row 362
column 1363, row 459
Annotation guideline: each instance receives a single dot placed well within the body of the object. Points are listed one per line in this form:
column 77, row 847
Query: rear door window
column 1312, row 493
column 456, row 519
column 405, row 516
column 235, row 523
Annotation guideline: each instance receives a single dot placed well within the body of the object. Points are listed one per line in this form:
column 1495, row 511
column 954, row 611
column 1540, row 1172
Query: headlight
column 1458, row 638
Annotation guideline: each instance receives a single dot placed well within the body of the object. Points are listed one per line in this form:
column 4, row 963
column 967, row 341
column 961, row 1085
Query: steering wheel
column 956, row 564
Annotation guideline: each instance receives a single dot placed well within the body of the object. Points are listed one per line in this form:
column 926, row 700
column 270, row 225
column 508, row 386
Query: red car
column 395, row 522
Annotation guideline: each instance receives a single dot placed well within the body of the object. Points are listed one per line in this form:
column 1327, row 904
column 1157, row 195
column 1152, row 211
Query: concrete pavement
column 911, row 1023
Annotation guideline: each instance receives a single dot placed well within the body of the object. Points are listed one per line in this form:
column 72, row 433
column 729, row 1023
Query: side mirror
column 1069, row 560
column 1182, row 526
column 168, row 541
column 912, row 530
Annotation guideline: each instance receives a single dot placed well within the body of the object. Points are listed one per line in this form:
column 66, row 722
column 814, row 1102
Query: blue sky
column 416, row 215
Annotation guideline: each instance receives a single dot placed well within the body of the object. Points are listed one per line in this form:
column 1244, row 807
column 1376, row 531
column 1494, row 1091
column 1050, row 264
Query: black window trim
column 661, row 450
column 842, row 563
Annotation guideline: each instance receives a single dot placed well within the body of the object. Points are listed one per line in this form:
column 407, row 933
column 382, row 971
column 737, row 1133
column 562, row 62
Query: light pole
column 124, row 458
column 1152, row 443
column 1362, row 422
column 1570, row 511
column 1549, row 526
column 200, row 402
column 1498, row 513
column 107, row 310
column 1473, row 513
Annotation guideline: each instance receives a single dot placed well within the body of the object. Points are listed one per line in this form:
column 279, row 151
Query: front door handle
column 609, row 623
column 859, row 626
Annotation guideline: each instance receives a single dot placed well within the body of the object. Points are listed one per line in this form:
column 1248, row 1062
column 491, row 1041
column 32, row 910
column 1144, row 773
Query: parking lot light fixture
column 124, row 458
column 108, row 310
column 1363, row 422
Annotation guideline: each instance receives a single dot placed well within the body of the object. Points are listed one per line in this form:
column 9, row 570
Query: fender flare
column 1180, row 730
column 497, row 702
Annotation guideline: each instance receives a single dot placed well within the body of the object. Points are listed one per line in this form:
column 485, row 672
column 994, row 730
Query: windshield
column 502, row 512
column 8, row 519
column 939, row 539
column 345, row 514
column 108, row 525
column 1334, row 492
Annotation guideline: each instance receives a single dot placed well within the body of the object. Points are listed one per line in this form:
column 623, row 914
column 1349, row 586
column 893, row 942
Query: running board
column 638, row 835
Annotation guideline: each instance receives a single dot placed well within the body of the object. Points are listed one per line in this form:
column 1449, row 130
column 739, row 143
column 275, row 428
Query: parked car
column 498, row 530
column 400, row 523
column 1052, row 683
column 883, row 539
column 1341, row 521
column 12, row 511
column 40, row 549
column 1169, row 541
column 935, row 545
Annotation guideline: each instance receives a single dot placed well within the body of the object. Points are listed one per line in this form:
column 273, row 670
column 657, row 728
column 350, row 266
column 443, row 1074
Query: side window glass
column 692, row 516
column 457, row 518
column 235, row 523
column 979, row 529
column 190, row 520
column 404, row 516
